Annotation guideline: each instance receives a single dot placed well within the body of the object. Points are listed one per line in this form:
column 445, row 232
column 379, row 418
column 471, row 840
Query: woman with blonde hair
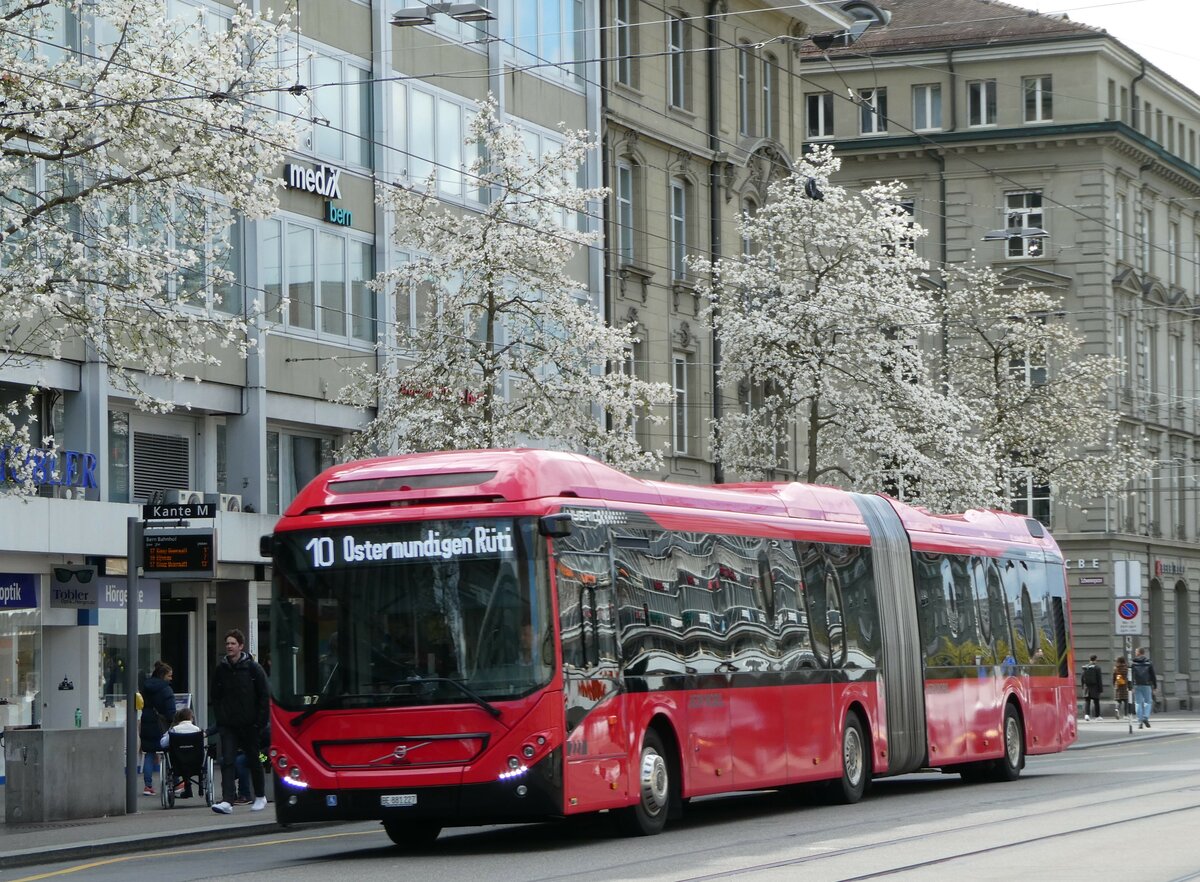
column 1120, row 678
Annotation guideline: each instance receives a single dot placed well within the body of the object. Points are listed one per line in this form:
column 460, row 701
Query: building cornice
column 1122, row 137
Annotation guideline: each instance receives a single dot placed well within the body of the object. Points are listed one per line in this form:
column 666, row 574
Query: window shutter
column 160, row 462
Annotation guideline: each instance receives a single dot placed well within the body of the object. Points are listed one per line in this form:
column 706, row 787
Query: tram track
column 898, row 842
column 1146, row 791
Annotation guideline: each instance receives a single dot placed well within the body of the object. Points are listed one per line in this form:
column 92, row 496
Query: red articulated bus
column 517, row 635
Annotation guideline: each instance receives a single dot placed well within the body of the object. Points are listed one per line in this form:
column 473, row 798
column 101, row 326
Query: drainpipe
column 1133, row 104
column 714, row 201
column 605, row 174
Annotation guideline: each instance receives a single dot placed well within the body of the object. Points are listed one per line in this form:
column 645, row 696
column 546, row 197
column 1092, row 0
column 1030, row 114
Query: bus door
column 596, row 767
column 814, row 734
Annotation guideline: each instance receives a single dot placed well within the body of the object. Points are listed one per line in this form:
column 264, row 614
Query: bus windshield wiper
column 464, row 689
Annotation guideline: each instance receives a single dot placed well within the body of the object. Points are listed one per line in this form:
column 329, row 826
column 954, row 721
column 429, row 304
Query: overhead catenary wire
column 593, row 216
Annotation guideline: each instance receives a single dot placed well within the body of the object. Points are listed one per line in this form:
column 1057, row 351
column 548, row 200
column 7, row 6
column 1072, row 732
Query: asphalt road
column 1120, row 812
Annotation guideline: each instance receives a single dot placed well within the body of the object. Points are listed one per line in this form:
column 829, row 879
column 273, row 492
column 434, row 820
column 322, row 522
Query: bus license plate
column 398, row 800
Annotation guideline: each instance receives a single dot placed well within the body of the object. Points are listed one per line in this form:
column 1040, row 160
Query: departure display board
column 180, row 553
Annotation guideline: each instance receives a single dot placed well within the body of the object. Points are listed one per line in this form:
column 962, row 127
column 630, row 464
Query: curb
column 1127, row 738
column 126, row 845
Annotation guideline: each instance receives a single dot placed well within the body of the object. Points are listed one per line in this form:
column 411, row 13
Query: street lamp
column 412, row 16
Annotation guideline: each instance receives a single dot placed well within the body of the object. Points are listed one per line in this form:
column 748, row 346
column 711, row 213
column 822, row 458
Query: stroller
column 187, row 760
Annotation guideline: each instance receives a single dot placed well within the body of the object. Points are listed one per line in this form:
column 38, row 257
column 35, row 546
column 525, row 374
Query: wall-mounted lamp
column 413, row 16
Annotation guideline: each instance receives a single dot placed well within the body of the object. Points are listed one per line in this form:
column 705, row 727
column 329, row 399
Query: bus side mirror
column 556, row 526
column 266, row 545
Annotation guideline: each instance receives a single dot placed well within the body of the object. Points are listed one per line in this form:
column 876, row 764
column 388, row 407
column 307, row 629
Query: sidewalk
column 191, row 822
column 1108, row 730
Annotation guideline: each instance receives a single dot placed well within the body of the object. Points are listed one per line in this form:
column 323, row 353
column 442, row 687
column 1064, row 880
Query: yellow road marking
column 175, row 852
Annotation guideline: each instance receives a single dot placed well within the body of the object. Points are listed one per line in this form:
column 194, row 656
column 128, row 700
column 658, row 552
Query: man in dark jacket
column 1144, row 683
column 1093, row 685
column 241, row 704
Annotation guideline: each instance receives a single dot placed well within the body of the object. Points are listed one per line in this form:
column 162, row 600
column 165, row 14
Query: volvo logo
column 400, row 752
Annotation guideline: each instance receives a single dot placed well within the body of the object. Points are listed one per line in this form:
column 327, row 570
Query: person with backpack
column 1144, row 683
column 158, row 709
column 241, row 703
column 1093, row 685
column 1121, row 687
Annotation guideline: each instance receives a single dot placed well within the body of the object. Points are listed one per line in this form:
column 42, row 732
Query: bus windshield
column 410, row 613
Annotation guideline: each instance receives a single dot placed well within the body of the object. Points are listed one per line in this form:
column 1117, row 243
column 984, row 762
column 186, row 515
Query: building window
column 745, row 89
column 679, row 228
column 334, row 112
column 1031, row 499
column 1024, row 211
column 1175, row 371
column 551, row 31
column 1196, row 274
column 326, row 275
column 981, row 103
column 626, row 251
column 770, row 96
column 292, row 462
column 927, row 107
column 1144, row 230
column 872, row 105
column 1125, row 351
column 678, row 62
column 1038, row 99
column 626, row 33
column 819, row 107
column 680, row 425
column 1119, row 226
column 749, row 210
column 1173, row 253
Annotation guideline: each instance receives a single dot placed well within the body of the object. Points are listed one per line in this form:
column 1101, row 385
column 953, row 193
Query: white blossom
column 1040, row 403
column 821, row 323
column 508, row 351
column 153, row 128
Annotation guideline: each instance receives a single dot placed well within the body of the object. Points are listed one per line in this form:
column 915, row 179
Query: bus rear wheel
column 856, row 763
column 1008, row 767
column 656, row 789
column 411, row 834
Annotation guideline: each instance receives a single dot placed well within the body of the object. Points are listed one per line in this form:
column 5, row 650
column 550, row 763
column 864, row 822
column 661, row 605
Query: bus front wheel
column 656, row 788
column 411, row 834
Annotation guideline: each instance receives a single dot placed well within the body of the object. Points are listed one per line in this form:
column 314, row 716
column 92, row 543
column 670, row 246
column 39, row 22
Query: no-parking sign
column 1129, row 615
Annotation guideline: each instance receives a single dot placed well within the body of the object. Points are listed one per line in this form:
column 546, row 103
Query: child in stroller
column 186, row 760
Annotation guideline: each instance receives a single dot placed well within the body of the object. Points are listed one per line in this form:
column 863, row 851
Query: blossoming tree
column 129, row 143
column 1039, row 402
column 507, row 349
column 820, row 325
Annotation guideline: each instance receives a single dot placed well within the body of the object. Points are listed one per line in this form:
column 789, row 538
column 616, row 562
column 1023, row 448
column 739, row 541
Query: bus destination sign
column 176, row 553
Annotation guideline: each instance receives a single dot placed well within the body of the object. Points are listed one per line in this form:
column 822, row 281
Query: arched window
column 749, row 210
